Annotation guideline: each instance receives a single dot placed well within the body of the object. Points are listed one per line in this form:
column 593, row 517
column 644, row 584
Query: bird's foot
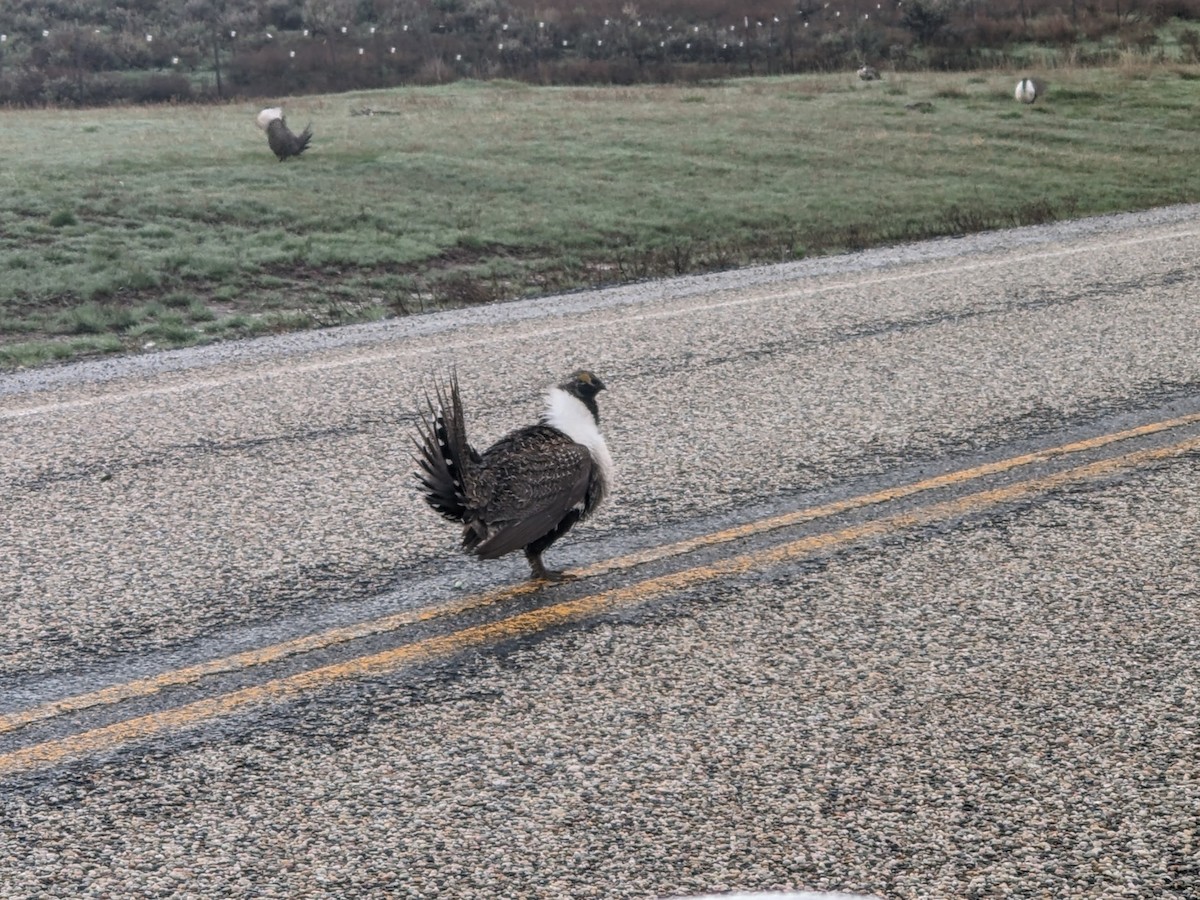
column 539, row 572
column 553, row 576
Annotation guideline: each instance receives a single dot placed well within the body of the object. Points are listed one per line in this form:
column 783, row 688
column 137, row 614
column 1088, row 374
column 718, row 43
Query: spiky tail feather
column 303, row 138
column 444, row 455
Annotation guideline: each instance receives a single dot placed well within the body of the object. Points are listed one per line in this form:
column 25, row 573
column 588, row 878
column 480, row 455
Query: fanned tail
column 302, row 139
column 445, row 457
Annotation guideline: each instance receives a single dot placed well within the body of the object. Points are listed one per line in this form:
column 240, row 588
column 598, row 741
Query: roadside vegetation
column 94, row 53
column 123, row 229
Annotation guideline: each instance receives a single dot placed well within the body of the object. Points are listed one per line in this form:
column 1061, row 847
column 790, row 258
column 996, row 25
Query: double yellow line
column 532, row 621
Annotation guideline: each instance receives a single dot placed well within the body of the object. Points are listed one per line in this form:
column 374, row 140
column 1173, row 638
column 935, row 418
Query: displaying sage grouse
column 283, row 142
column 1028, row 90
column 529, row 488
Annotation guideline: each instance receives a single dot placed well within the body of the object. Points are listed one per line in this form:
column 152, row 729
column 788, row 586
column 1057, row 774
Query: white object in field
column 1027, row 90
column 267, row 116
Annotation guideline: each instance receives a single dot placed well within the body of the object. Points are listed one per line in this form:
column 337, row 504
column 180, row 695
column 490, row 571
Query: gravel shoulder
column 303, row 343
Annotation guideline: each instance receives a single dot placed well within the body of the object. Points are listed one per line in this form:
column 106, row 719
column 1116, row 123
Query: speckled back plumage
column 526, row 485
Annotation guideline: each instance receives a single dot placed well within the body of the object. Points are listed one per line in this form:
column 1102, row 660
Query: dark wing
column 530, row 480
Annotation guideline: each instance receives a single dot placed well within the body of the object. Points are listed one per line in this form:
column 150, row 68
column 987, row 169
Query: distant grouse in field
column 529, row 488
column 282, row 141
column 1028, row 90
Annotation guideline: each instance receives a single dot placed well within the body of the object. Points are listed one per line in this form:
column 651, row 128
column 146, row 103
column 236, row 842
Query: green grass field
column 168, row 226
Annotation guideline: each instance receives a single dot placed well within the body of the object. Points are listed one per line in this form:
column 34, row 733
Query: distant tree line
column 93, row 52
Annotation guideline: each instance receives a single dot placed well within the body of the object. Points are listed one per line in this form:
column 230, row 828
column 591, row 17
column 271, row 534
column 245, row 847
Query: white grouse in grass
column 283, row 141
column 529, row 488
column 1028, row 90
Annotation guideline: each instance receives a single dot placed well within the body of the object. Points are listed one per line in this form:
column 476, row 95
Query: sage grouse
column 529, row 488
column 280, row 138
column 1028, row 90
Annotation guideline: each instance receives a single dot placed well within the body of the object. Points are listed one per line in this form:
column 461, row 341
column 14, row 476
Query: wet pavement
column 1000, row 701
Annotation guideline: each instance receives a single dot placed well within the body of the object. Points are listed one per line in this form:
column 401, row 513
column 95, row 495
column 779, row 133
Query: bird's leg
column 539, row 572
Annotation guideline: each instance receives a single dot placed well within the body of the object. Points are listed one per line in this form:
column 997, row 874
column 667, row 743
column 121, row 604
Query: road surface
column 896, row 594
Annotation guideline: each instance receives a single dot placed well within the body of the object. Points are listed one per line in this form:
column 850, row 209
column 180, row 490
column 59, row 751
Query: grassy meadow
column 130, row 228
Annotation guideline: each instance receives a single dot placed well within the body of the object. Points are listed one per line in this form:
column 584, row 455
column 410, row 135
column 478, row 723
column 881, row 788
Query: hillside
column 92, row 53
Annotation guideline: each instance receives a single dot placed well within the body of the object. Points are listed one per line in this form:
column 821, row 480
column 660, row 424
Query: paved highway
column 896, row 594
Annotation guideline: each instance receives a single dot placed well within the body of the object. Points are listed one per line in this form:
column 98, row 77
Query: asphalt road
column 984, row 688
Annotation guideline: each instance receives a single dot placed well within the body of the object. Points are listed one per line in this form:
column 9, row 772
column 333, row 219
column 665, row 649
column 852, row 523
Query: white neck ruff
column 572, row 417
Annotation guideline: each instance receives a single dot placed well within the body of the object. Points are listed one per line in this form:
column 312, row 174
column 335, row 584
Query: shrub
column 27, row 87
column 1056, row 30
column 1189, row 45
column 95, row 318
column 160, row 89
column 551, row 42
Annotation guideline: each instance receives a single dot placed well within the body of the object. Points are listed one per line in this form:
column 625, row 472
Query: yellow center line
column 950, row 479
column 384, row 662
column 143, row 687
